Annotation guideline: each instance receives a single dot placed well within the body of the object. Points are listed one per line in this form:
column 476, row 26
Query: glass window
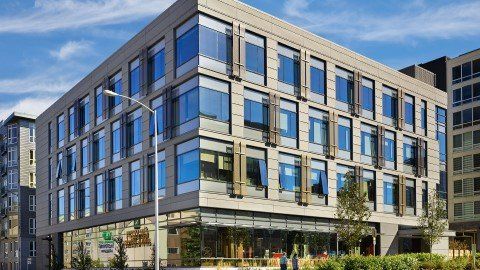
column 84, row 113
column 116, row 86
column 476, row 67
column 256, row 171
column 456, row 74
column 424, row 194
column 390, row 148
column 409, row 149
column 84, row 199
column 215, row 165
column 114, row 189
column 256, row 110
column 442, row 142
column 368, row 141
column 318, row 132
column 99, row 102
column 344, row 134
column 368, row 98
column 342, row 172
column 457, row 97
column 390, row 104
column 186, row 107
column 317, row 77
column 289, row 173
column 319, row 178
column 466, row 70
column 188, row 166
column 288, row 66
column 466, row 94
column 410, row 193
column 71, row 161
column 134, row 77
column 72, row 200
column 344, row 86
column 71, row 123
column 135, row 185
column 390, row 191
column 369, row 183
column 156, row 66
column 162, row 174
column 116, row 144
column 98, row 146
column 61, row 206
column 60, row 129
column 409, row 110
column 288, row 119
column 255, row 58
column 159, row 109
column 215, row 44
column 214, row 104
column 187, row 46
column 99, row 194
column 423, row 113
column 134, row 128
column 85, row 155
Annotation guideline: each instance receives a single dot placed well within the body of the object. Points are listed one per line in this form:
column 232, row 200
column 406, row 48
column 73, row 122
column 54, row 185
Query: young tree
column 82, row 261
column 352, row 213
column 119, row 261
column 433, row 222
column 53, row 261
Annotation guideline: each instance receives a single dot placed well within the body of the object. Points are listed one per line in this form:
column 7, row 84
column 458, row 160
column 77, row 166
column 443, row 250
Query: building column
column 388, row 239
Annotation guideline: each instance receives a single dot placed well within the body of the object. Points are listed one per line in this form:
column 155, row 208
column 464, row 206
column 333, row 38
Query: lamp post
column 110, row 93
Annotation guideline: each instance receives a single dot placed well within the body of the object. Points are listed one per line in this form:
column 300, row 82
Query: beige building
column 260, row 122
column 463, row 82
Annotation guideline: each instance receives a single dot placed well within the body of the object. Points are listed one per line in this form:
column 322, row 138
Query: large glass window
column 156, row 62
column 84, row 114
column 319, row 178
column 317, row 76
column 216, row 165
column 84, row 199
column 288, row 119
column 99, row 149
column 134, row 128
column 214, row 104
column 85, row 156
column 114, row 189
column 135, row 183
column 255, row 53
column 441, row 119
column 60, row 130
column 256, row 167
column 345, row 136
column 409, row 149
column 423, row 114
column 342, row 172
column 99, row 194
column 188, row 166
column 390, row 148
column 187, row 46
column 409, row 111
column 368, row 136
column 71, row 203
column 389, row 103
column 369, row 184
column 157, row 104
column 116, row 86
column 390, row 192
column 288, row 66
column 410, row 196
column 61, row 206
column 134, row 77
column 256, row 110
column 289, row 172
column 367, row 95
column 162, row 175
column 186, row 107
column 318, row 132
column 71, row 162
column 71, row 123
column 344, row 85
column 116, row 143
column 99, row 104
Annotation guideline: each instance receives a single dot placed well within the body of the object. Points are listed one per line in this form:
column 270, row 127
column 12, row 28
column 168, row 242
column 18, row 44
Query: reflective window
column 410, row 193
column 256, row 110
column 116, row 144
column 186, row 107
column 116, row 86
column 317, row 77
column 409, row 149
column 71, row 161
column 188, row 166
column 114, row 189
column 389, row 148
column 156, row 66
column 367, row 95
column 369, row 183
column 288, row 119
column 159, row 109
column 368, row 136
column 98, row 146
column 390, row 103
column 135, row 185
column 84, row 113
column 288, row 66
column 99, row 102
column 215, row 44
column 162, row 174
column 215, row 165
column 134, row 128
column 187, row 46
column 344, row 134
column 60, row 129
column 99, row 194
column 71, row 123
column 84, row 199
column 84, row 153
column 344, row 85
column 390, row 191
column 318, row 132
column 289, row 172
column 61, row 206
column 214, row 104
column 255, row 58
column 423, row 113
column 134, row 77
column 342, row 172
column 256, row 167
column 409, row 110
column 319, row 178
column 71, row 204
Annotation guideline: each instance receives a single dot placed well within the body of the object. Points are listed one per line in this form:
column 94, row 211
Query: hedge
column 420, row 261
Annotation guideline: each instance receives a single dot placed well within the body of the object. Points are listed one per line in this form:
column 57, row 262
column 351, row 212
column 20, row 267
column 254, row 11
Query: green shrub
column 459, row 263
column 331, row 264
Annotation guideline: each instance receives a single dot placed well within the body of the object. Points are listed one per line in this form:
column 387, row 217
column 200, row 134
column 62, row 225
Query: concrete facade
column 18, row 201
column 236, row 198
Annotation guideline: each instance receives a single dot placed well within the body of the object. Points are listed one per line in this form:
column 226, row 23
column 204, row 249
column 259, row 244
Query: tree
column 352, row 213
column 53, row 261
column 433, row 222
column 82, row 261
column 119, row 261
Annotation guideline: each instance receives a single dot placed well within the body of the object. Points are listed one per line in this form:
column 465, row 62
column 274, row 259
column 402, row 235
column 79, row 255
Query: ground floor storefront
column 212, row 237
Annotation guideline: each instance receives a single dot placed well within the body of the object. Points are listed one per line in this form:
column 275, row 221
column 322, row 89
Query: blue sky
column 46, row 46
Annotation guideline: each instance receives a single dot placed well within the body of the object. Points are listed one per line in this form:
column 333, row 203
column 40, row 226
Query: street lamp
column 110, row 93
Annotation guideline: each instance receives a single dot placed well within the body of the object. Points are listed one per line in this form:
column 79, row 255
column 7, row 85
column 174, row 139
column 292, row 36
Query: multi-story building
column 17, row 192
column 260, row 122
column 463, row 82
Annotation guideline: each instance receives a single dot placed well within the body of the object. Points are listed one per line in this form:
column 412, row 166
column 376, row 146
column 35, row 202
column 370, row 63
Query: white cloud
column 52, row 15
column 34, row 106
column 48, row 82
column 72, row 49
column 412, row 20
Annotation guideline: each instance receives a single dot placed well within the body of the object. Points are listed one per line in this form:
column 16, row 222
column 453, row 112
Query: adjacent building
column 17, row 192
column 260, row 123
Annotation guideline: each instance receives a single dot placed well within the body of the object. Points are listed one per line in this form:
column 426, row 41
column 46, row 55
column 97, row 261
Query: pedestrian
column 283, row 261
column 295, row 262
